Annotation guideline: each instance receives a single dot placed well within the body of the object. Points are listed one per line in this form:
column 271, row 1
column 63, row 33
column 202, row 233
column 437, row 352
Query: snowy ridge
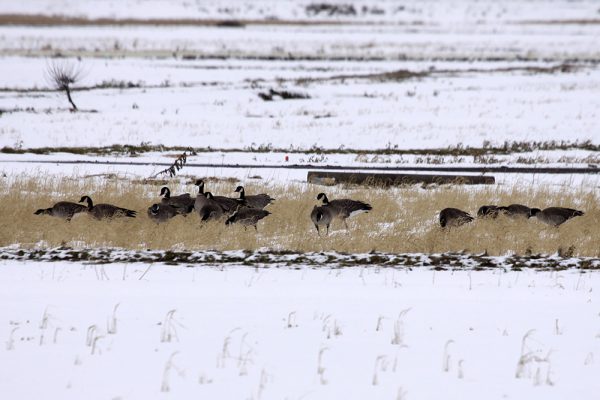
column 269, row 258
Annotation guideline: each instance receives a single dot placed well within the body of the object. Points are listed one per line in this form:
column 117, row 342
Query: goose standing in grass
column 62, row 209
column 344, row 208
column 246, row 216
column 161, row 212
column 210, row 209
column 453, row 217
column 183, row 203
column 517, row 211
column 256, row 201
column 490, row 211
column 555, row 216
column 226, row 203
column 321, row 216
column 106, row 211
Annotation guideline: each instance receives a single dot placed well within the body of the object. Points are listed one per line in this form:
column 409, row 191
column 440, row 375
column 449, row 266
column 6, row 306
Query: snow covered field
column 136, row 331
column 437, row 83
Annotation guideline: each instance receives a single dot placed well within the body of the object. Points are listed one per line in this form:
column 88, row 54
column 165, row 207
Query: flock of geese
column 554, row 216
column 247, row 210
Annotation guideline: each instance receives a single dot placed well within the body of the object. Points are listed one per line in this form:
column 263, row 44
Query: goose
column 344, row 208
column 490, row 211
column 210, row 209
column 161, row 212
column 226, row 203
column 321, row 216
column 62, row 209
column 106, row 211
column 200, row 197
column 256, row 201
column 518, row 211
column 453, row 217
column 555, row 216
column 183, row 203
column 246, row 216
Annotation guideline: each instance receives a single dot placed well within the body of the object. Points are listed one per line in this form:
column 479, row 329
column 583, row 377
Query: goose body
column 321, row 216
column 183, row 203
column 246, row 216
column 453, row 217
column 490, row 211
column 555, row 216
column 256, row 201
column 210, row 209
column 62, row 209
column 344, row 208
column 106, row 211
column 518, row 211
column 227, row 204
column 161, row 212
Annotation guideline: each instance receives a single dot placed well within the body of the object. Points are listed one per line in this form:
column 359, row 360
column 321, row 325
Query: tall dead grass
column 403, row 219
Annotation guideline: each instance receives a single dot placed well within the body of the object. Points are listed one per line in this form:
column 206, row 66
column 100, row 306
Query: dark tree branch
column 177, row 164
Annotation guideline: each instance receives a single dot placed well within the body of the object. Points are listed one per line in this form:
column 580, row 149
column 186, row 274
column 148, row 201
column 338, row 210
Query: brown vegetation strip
column 63, row 20
column 460, row 150
column 403, row 219
column 483, row 170
column 580, row 21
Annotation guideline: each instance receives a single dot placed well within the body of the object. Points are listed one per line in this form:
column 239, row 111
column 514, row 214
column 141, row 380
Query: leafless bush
column 63, row 76
column 177, row 164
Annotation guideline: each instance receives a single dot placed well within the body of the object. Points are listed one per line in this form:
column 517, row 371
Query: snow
column 238, row 332
column 484, row 72
column 432, row 112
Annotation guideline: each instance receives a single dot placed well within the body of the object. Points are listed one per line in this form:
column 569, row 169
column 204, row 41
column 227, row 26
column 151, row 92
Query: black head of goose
column 106, row 211
column 161, row 212
column 344, row 208
column 453, row 217
column 257, row 201
column 321, row 216
column 63, row 209
column 246, row 216
column 555, row 216
column 183, row 203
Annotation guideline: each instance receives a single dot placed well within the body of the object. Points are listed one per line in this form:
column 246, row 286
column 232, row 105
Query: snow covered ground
column 137, row 331
column 202, row 104
column 388, row 75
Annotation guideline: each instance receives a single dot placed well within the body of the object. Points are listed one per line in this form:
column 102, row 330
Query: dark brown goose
column 62, row 209
column 246, row 216
column 183, row 203
column 226, row 203
column 256, row 201
column 453, row 217
column 161, row 212
column 518, row 211
column 555, row 216
column 322, row 216
column 106, row 211
column 344, row 208
column 490, row 211
column 210, row 209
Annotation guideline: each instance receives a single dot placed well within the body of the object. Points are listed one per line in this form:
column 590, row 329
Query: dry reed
column 403, row 219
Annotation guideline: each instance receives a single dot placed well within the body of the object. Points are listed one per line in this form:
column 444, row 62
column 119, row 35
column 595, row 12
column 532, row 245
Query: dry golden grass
column 403, row 219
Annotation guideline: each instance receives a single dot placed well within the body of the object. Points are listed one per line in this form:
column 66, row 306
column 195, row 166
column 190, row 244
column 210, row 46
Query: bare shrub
column 63, row 76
